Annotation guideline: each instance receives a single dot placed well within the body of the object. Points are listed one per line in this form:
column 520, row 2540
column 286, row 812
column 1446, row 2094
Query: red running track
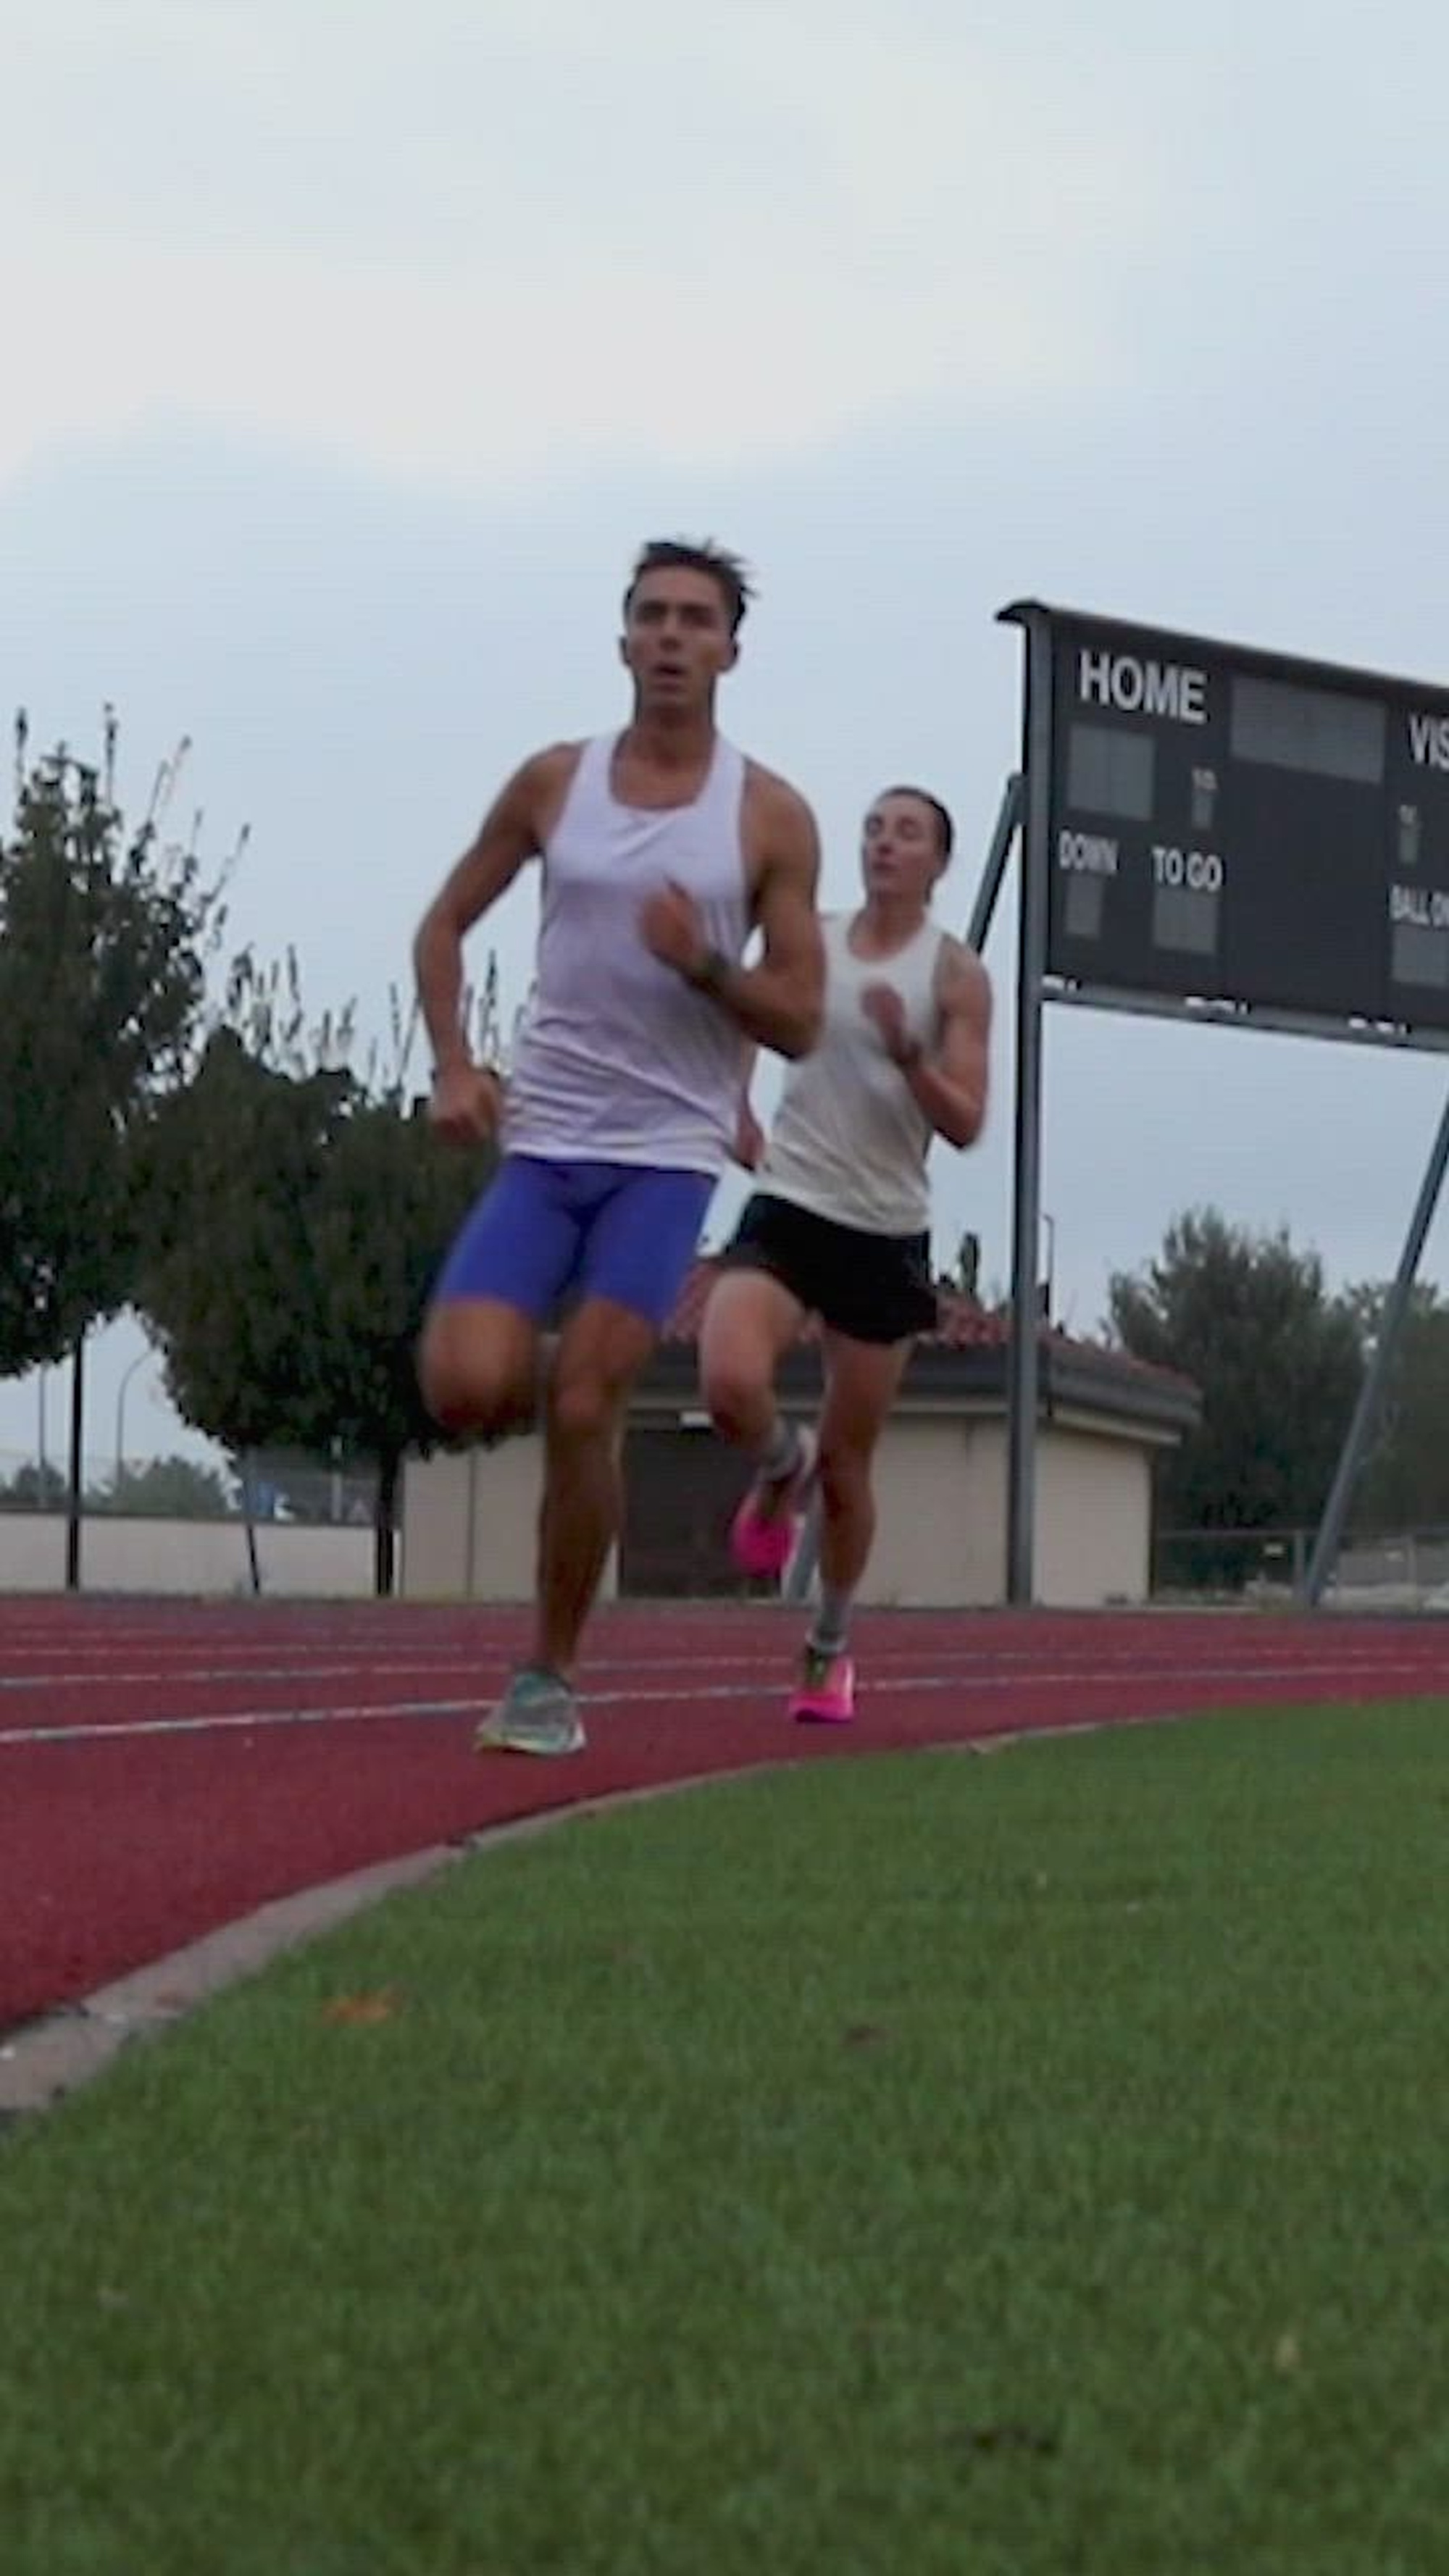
column 166, row 1767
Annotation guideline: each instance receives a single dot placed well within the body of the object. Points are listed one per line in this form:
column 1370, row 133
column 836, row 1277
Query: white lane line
column 1365, row 1659
column 253, row 1720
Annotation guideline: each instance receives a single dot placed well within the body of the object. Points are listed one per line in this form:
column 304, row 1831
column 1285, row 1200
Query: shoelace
column 818, row 1660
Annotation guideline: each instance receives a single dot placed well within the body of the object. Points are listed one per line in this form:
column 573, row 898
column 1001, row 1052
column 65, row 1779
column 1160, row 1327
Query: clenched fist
column 672, row 928
column 886, row 1012
column 467, row 1104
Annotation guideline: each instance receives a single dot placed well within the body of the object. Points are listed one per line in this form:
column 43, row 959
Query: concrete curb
column 45, row 2060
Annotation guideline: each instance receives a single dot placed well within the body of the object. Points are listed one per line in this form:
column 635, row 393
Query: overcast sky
column 352, row 350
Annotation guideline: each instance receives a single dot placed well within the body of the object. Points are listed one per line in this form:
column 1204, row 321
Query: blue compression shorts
column 542, row 1230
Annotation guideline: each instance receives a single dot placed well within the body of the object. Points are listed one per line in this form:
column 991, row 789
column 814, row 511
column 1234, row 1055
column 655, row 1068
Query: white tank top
column 848, row 1140
column 618, row 1060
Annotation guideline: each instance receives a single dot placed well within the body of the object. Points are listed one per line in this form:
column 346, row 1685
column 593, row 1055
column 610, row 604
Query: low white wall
column 941, row 1486
column 934, row 1546
column 296, row 1561
column 469, row 1524
column 1093, row 1521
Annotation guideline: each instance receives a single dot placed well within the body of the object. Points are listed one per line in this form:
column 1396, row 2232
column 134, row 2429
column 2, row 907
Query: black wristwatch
column 909, row 1056
column 709, row 976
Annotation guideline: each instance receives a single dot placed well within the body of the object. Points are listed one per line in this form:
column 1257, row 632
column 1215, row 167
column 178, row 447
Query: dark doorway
column 684, row 1488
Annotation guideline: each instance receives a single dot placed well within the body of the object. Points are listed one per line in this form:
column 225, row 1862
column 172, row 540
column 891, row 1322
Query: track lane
column 161, row 1775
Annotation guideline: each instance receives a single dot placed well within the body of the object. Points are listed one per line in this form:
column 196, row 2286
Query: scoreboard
column 1234, row 828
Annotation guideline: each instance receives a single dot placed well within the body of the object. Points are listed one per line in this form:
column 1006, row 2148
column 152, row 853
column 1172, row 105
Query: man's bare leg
column 601, row 1351
column 478, row 1366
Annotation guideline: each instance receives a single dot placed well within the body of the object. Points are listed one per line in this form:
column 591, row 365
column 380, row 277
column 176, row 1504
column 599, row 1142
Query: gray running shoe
column 538, row 1713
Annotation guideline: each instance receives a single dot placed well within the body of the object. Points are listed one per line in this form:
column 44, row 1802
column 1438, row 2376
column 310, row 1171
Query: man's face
column 900, row 852
column 676, row 641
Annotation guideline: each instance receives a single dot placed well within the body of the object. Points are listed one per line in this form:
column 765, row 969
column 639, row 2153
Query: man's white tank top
column 618, row 1059
column 848, row 1140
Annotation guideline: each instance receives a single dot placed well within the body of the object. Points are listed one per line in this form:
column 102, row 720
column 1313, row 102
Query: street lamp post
column 138, row 1362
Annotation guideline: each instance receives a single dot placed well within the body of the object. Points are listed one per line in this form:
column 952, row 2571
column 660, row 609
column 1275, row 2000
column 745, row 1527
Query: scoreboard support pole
column 992, row 875
column 1366, row 1412
column 1023, row 1374
column 800, row 1576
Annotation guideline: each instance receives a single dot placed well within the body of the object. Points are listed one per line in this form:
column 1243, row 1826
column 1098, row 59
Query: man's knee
column 584, row 1404
column 475, row 1378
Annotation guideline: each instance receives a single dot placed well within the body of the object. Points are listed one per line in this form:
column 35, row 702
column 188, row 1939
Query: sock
column 832, row 1621
column 781, row 1454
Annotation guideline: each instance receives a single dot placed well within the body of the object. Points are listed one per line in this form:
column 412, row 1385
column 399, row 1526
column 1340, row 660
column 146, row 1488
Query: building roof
column 961, row 1325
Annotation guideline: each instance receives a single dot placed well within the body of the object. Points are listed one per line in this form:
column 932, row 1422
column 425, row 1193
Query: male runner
column 662, row 849
column 839, row 1225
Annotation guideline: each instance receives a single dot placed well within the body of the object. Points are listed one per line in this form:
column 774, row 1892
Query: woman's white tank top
column 848, row 1140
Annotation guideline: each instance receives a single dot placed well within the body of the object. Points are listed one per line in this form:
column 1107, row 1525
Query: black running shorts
column 870, row 1287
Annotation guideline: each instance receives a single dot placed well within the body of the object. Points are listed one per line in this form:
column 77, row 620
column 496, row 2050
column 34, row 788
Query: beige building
column 468, row 1519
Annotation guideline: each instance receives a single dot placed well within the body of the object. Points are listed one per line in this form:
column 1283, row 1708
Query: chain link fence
column 286, row 1486
column 1384, row 1570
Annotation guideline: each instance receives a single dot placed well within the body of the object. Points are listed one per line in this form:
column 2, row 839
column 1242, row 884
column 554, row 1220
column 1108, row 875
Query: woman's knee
column 843, row 1469
column 738, row 1390
column 739, row 1349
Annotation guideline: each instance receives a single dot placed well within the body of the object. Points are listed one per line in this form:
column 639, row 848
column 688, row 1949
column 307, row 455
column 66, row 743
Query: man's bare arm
column 779, row 1001
column 510, row 834
column 951, row 1085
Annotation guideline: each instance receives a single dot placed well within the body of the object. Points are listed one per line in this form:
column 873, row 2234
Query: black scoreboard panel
column 1233, row 826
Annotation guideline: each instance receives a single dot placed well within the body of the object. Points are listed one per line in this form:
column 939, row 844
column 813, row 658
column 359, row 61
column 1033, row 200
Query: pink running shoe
column 763, row 1542
column 826, row 1696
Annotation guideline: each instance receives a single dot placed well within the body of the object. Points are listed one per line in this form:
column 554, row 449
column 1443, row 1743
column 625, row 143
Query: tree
column 229, row 1172
column 103, row 936
column 34, row 1488
column 1279, row 1366
column 964, row 1278
column 297, row 1212
column 390, row 1200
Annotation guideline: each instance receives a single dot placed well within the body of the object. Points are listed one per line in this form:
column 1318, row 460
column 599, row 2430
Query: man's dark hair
column 945, row 828
column 667, row 554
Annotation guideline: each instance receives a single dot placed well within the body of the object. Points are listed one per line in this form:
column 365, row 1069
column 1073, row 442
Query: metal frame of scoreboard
column 1231, row 837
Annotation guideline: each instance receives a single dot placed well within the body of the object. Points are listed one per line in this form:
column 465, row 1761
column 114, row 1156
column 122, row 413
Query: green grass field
column 915, row 2167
